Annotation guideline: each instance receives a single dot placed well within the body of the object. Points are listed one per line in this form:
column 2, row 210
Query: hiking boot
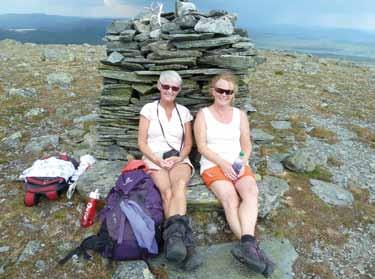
column 175, row 249
column 173, row 235
column 250, row 254
column 193, row 260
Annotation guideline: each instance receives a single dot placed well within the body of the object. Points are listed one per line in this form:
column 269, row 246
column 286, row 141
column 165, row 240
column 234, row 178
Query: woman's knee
column 250, row 192
column 230, row 201
column 166, row 194
column 179, row 188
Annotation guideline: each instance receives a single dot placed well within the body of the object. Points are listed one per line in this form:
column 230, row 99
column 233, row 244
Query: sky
column 352, row 14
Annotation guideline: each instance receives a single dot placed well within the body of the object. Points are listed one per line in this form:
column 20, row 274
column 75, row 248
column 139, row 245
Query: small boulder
column 115, row 57
column 259, row 136
column 13, row 141
column 59, row 55
column 38, row 144
column 133, row 270
column 22, row 92
column 61, row 79
column 31, row 248
column 35, row 112
column 281, row 125
column 300, row 161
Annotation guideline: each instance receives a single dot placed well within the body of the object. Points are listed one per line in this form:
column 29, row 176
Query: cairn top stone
column 184, row 8
column 222, row 25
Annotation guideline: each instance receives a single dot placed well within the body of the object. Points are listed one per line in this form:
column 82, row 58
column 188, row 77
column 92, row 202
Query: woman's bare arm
column 245, row 136
column 144, row 124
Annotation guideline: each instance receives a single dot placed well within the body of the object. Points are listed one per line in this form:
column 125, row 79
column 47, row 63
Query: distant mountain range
column 338, row 43
column 53, row 29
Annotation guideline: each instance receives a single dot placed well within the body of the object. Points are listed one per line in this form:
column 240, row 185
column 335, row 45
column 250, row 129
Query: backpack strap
column 96, row 242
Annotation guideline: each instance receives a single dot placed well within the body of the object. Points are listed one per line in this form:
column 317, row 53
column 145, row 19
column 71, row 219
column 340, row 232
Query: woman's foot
column 173, row 235
column 250, row 254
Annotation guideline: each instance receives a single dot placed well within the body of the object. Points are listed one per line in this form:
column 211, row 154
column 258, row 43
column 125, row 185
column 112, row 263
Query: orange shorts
column 215, row 173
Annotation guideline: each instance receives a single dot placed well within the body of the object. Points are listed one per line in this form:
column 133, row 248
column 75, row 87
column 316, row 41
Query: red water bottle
column 90, row 210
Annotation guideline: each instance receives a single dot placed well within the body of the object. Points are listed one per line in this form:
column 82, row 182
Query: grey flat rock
column 260, row 136
column 281, row 125
column 102, row 176
column 274, row 166
column 220, row 264
column 271, row 189
column 132, row 270
column 331, row 193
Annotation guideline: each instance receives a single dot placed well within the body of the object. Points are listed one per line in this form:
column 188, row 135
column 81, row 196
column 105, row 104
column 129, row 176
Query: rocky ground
column 317, row 113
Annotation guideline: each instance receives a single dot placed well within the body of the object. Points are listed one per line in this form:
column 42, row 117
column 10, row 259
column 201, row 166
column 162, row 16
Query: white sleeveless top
column 222, row 138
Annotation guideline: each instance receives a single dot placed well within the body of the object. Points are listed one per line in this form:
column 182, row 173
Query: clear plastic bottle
column 238, row 163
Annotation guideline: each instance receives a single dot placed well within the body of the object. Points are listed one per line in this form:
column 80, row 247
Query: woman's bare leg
column 227, row 195
column 162, row 182
column 179, row 177
column 248, row 209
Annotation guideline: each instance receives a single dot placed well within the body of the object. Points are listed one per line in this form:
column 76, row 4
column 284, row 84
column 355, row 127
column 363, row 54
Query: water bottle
column 238, row 163
column 90, row 210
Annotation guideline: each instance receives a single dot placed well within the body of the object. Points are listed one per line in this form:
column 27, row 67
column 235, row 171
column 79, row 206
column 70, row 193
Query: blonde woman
column 221, row 133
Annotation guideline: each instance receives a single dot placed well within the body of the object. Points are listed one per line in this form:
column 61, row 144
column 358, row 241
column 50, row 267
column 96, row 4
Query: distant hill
column 53, row 29
column 354, row 45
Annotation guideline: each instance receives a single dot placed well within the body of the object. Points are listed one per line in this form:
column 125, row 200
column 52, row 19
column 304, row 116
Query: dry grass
column 364, row 134
column 325, row 134
column 332, row 161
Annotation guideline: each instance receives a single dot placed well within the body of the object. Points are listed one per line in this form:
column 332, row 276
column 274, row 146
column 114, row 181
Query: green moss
column 279, row 72
column 319, row 173
column 60, row 215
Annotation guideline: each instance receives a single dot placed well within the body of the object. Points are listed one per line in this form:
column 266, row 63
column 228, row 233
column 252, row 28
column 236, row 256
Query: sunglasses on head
column 224, row 91
column 167, row 87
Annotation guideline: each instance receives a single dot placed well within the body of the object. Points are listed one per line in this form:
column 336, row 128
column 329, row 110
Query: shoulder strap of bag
column 162, row 130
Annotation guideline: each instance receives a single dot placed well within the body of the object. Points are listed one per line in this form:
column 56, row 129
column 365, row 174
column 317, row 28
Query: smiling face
column 223, row 92
column 169, row 89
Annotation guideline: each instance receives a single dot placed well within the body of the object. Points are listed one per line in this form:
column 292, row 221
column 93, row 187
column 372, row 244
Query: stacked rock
column 196, row 45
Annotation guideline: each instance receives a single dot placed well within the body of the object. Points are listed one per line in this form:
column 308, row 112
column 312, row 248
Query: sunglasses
column 224, row 91
column 167, row 87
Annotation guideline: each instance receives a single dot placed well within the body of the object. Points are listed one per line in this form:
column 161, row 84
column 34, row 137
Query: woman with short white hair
column 165, row 139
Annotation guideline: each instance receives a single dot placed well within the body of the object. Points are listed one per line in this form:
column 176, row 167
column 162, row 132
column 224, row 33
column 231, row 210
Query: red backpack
column 50, row 187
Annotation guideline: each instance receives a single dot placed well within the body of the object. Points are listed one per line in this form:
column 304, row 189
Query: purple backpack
column 116, row 239
column 138, row 187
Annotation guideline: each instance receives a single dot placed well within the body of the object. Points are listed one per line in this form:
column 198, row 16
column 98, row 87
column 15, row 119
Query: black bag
column 171, row 153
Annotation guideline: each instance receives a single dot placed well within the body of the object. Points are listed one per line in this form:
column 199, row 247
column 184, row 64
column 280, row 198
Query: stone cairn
column 196, row 45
